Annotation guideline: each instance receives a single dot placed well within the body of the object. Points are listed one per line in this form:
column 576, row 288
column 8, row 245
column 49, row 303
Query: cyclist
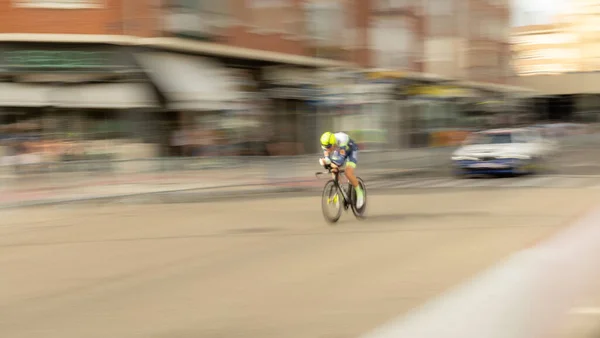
column 340, row 149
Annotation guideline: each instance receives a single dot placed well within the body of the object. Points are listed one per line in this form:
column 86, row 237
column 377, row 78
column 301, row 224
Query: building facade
column 468, row 39
column 396, row 35
column 545, row 49
column 195, row 68
column 568, row 44
column 561, row 59
column 189, row 74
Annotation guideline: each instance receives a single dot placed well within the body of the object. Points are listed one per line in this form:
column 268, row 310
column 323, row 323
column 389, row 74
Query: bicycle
column 332, row 192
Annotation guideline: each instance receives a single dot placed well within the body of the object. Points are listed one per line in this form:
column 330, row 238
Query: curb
column 191, row 195
column 155, row 195
column 174, row 196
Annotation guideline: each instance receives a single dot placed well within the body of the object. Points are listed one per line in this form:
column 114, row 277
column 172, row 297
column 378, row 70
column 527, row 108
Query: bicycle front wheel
column 331, row 202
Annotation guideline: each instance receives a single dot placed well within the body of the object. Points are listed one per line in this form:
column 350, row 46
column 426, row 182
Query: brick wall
column 277, row 30
column 106, row 20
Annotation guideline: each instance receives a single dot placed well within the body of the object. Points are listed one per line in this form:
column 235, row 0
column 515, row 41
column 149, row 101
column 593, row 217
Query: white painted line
column 427, row 183
column 575, row 176
column 581, row 164
column 578, row 182
column 484, row 182
column 529, row 182
column 594, row 311
column 561, row 182
column 435, row 183
column 481, row 182
column 449, row 182
column 391, row 183
column 583, row 182
column 411, row 183
column 455, row 183
column 547, row 280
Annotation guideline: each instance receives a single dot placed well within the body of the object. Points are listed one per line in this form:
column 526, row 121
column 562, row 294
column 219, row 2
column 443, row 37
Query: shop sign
column 29, row 56
column 438, row 91
column 383, row 75
column 57, row 59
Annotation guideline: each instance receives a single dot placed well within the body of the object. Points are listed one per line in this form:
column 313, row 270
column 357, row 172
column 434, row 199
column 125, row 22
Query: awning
column 104, row 95
column 24, row 95
column 191, row 82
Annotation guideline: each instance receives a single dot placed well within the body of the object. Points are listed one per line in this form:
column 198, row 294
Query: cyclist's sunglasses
column 327, row 146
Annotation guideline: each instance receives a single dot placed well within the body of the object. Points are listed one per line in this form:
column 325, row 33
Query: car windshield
column 491, row 138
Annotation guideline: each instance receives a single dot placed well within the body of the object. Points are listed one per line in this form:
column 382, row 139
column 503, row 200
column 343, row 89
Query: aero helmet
column 327, row 139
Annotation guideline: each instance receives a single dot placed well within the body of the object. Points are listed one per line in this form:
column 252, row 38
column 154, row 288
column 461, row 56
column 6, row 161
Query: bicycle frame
column 346, row 195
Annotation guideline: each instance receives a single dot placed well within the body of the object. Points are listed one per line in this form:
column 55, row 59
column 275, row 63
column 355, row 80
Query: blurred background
column 165, row 102
column 88, row 84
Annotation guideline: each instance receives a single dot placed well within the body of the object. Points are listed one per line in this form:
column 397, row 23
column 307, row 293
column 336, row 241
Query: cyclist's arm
column 325, row 161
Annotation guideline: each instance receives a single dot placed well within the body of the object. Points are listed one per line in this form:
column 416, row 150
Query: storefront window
column 441, row 115
column 103, row 125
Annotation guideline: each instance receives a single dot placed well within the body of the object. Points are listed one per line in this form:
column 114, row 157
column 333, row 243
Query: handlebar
column 329, row 170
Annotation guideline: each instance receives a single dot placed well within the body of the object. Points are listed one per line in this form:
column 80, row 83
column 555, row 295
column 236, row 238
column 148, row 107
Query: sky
column 536, row 11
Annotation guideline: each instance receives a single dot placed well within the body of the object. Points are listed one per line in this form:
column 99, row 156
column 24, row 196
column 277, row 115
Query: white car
column 503, row 151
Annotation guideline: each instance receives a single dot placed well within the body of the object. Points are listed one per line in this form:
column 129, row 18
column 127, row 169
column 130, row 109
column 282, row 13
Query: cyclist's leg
column 351, row 162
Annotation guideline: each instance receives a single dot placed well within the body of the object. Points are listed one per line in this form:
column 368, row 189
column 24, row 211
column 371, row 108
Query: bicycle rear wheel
column 360, row 213
column 331, row 202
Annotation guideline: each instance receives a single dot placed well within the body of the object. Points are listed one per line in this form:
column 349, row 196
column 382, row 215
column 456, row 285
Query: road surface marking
column 529, row 182
column 435, row 183
column 410, row 183
column 496, row 303
column 457, row 182
column 595, row 311
column 560, row 182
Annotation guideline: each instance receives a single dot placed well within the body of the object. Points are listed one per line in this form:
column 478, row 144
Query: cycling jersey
column 346, row 151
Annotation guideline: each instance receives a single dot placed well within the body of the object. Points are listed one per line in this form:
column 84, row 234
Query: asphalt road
column 262, row 268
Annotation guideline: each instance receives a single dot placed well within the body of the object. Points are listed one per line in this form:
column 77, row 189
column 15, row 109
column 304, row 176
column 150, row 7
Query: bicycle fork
column 346, row 195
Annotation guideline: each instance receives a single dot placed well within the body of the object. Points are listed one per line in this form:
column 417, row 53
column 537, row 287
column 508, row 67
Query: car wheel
column 458, row 173
column 522, row 169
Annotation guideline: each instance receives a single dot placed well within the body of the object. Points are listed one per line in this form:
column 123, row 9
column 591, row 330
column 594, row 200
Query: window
column 491, row 138
column 392, row 39
column 273, row 15
column 326, row 22
column 66, row 4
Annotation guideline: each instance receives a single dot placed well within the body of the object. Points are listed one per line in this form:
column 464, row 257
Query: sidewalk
column 23, row 192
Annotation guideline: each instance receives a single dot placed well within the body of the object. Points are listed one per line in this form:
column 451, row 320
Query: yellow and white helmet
column 328, row 140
